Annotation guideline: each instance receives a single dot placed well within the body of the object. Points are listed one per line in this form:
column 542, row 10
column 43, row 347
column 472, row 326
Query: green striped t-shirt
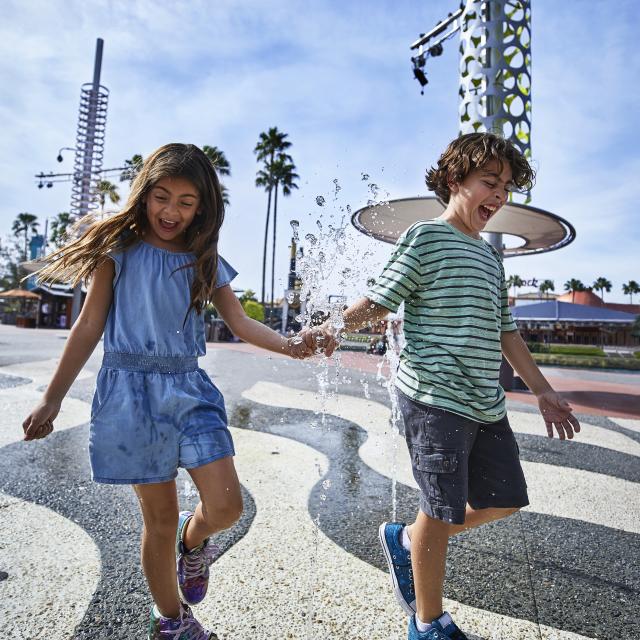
column 456, row 307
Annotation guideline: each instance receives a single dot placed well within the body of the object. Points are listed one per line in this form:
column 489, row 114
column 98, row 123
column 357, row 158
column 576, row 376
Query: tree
column 573, row 285
column 516, row 282
column 270, row 144
column 132, row 168
column 283, row 171
column 221, row 165
column 547, row 285
column 10, row 258
column 630, row 288
column 249, row 294
column 27, row 224
column 106, row 189
column 602, row 285
column 59, row 228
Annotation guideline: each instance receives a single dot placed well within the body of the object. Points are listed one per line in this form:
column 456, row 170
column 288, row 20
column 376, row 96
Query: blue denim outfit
column 154, row 410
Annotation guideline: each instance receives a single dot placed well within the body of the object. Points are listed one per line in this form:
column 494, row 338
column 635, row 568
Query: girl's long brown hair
column 77, row 260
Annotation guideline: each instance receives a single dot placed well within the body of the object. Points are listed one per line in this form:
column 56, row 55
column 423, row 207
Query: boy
column 457, row 326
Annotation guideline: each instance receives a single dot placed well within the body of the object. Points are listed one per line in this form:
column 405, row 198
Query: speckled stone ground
column 303, row 562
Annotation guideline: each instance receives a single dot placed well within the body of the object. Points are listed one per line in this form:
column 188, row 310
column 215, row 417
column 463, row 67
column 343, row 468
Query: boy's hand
column 320, row 339
column 557, row 411
column 39, row 423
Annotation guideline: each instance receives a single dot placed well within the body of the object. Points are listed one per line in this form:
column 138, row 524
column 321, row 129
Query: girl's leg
column 159, row 504
column 220, row 501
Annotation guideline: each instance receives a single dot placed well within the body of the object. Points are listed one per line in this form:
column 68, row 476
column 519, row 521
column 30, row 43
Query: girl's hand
column 557, row 411
column 320, row 339
column 297, row 348
column 39, row 423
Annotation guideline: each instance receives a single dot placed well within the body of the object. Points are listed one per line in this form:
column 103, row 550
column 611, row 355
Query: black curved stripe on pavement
column 575, row 582
column 56, row 474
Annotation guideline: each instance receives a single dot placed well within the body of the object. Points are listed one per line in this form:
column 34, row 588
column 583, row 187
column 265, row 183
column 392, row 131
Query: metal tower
column 89, row 150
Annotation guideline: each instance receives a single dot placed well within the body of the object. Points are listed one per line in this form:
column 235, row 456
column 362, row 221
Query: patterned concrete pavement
column 318, row 476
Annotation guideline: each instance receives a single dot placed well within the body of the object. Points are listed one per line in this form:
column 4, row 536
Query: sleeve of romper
column 117, row 262
column 225, row 274
column 506, row 319
column 402, row 273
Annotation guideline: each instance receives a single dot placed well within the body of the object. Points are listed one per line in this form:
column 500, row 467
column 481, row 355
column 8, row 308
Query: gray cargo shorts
column 456, row 461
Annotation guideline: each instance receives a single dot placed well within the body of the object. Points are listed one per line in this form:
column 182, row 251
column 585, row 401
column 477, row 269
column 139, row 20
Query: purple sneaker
column 193, row 566
column 186, row 627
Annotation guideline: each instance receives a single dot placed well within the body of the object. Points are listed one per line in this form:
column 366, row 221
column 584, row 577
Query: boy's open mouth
column 486, row 211
column 168, row 224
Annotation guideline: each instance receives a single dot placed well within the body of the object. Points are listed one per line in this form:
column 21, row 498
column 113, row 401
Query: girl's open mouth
column 168, row 224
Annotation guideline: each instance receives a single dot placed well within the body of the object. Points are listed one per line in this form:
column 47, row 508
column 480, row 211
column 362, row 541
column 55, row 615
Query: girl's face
column 479, row 196
column 172, row 204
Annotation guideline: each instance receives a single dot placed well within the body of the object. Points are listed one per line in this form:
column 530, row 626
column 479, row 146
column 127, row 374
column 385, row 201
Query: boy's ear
column 454, row 186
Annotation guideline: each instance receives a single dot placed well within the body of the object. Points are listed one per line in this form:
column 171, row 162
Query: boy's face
column 480, row 195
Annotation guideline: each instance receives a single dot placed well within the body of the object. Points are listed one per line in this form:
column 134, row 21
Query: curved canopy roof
column 533, row 230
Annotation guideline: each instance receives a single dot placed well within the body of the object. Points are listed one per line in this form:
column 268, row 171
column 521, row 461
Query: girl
column 153, row 268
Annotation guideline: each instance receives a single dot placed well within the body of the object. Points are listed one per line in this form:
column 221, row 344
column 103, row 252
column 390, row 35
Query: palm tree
column 270, row 144
column 59, row 228
column 106, row 189
column 516, row 282
column 221, row 165
column 132, row 168
column 573, row 285
column 630, row 288
column 283, row 172
column 602, row 285
column 25, row 223
column 547, row 285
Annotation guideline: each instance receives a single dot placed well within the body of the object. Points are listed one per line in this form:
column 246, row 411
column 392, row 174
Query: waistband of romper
column 154, row 364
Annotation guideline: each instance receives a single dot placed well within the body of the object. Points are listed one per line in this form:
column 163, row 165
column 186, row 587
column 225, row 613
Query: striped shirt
column 456, row 307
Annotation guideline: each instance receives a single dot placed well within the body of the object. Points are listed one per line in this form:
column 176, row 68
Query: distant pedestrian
column 153, row 268
column 457, row 326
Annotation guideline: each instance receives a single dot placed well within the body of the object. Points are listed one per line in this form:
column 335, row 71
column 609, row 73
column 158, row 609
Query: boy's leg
column 474, row 518
column 429, row 540
column 159, row 504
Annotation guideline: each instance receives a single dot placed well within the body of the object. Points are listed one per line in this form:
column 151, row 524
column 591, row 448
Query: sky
column 336, row 76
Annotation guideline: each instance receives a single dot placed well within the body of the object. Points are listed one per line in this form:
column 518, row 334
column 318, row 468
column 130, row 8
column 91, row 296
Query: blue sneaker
column 399, row 561
column 193, row 566
column 437, row 632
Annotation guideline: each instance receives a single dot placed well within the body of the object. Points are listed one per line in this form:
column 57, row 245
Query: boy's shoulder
column 422, row 228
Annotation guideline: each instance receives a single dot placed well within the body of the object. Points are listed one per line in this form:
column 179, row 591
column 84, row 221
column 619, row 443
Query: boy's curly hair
column 474, row 151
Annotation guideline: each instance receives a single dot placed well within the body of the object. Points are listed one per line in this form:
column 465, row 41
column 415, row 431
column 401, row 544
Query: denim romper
column 154, row 410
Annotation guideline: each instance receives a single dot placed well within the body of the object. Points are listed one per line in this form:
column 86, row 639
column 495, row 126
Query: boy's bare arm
column 363, row 312
column 359, row 314
column 83, row 338
column 555, row 411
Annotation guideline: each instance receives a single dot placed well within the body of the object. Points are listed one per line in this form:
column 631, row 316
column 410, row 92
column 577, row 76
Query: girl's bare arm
column 252, row 331
column 83, row 338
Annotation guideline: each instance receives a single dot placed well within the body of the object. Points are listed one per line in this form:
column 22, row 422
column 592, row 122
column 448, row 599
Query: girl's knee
column 160, row 519
column 225, row 513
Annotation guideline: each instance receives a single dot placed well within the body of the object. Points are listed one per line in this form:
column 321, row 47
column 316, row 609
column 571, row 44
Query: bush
column 576, row 350
column 587, row 362
column 254, row 310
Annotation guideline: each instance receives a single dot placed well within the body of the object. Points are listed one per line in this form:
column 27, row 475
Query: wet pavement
column 304, row 560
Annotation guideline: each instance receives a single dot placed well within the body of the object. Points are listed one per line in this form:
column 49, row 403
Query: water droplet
column 364, row 177
column 320, row 201
column 311, row 239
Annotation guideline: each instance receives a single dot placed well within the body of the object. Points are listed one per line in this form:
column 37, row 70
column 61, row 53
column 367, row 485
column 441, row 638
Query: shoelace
column 189, row 629
column 196, row 564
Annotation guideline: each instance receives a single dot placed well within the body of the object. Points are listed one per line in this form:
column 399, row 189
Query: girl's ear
column 454, row 186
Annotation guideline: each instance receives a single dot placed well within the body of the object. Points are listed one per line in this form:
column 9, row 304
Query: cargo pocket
column 434, row 470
